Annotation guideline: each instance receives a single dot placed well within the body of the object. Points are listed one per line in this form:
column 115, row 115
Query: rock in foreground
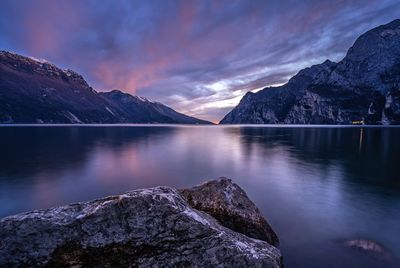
column 149, row 227
column 229, row 204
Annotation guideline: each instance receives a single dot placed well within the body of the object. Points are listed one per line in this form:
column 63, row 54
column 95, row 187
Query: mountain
column 142, row 110
column 364, row 87
column 35, row 91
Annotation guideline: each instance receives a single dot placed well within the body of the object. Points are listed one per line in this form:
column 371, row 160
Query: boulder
column 229, row 204
column 150, row 227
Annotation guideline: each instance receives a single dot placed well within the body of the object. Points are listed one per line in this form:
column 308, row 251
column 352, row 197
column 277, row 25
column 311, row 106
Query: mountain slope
column 33, row 91
column 142, row 110
column 364, row 86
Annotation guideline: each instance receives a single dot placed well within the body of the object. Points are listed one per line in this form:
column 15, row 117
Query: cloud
column 197, row 56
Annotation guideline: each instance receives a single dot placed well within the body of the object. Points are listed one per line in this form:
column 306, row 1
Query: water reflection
column 322, row 178
column 29, row 150
column 370, row 155
column 318, row 186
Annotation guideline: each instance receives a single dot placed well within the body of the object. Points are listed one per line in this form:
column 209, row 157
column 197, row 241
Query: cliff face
column 153, row 227
column 34, row 91
column 364, row 86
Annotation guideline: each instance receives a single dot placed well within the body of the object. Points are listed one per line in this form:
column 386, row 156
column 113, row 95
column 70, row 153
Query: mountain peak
column 40, row 67
column 116, row 93
column 363, row 87
column 377, row 42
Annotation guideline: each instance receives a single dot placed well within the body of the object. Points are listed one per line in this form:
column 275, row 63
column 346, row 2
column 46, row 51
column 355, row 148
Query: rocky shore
column 211, row 225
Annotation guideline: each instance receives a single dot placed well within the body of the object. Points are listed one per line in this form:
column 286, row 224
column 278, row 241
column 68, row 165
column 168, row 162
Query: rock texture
column 33, row 91
column 364, row 86
column 144, row 228
column 229, row 204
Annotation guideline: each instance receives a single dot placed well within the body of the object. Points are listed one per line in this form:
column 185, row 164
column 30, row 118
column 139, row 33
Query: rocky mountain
column 364, row 87
column 155, row 227
column 35, row 91
column 141, row 110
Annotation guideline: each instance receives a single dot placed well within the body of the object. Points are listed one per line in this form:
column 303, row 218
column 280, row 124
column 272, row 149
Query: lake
column 317, row 186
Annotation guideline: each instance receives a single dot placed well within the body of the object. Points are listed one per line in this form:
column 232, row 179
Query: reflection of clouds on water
column 315, row 185
column 38, row 148
column 42, row 167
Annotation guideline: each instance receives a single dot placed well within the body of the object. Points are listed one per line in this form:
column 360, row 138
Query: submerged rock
column 368, row 246
column 229, row 204
column 151, row 227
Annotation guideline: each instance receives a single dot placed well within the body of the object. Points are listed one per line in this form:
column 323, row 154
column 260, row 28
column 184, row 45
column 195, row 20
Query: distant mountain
column 35, row 91
column 363, row 87
column 142, row 110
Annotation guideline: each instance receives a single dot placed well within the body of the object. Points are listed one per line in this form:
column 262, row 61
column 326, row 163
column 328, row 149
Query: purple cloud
column 197, row 56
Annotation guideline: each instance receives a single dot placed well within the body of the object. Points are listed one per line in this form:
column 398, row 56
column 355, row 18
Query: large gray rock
column 229, row 204
column 144, row 228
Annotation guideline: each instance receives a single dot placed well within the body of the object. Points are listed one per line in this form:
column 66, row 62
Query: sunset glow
column 183, row 53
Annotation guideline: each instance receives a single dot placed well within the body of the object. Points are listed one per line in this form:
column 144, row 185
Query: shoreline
column 199, row 125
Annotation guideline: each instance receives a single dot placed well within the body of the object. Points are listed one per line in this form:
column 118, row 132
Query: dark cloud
column 198, row 56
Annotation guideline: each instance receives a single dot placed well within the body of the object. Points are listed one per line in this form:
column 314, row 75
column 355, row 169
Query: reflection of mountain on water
column 29, row 150
column 369, row 154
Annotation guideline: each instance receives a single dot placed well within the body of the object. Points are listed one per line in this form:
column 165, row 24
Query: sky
column 197, row 56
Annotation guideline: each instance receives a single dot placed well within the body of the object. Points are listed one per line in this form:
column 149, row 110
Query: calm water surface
column 317, row 186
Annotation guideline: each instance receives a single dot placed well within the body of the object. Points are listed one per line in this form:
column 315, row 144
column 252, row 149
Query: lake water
column 317, row 186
